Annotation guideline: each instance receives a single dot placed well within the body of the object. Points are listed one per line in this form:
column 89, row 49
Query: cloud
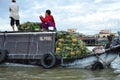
column 95, row 19
column 4, row 26
column 86, row 16
column 98, row 1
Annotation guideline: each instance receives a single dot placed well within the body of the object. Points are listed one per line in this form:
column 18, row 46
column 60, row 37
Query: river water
column 10, row 71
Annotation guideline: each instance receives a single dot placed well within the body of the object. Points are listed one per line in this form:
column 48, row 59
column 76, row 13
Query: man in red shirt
column 48, row 21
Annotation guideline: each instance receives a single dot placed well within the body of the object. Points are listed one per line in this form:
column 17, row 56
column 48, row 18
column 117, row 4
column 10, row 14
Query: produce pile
column 29, row 26
column 69, row 46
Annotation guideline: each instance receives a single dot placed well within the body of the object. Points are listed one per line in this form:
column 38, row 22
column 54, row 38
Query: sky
column 86, row 16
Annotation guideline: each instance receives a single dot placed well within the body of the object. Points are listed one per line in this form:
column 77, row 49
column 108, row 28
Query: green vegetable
column 69, row 46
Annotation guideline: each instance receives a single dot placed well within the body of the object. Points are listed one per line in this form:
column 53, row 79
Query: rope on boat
column 101, row 59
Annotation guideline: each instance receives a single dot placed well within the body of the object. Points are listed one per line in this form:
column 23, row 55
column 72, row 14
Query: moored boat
column 94, row 60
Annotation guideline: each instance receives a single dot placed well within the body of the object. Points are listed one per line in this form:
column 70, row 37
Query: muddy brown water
column 27, row 72
column 19, row 73
column 11, row 71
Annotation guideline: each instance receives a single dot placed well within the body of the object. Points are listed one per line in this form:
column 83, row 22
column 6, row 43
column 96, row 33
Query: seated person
column 48, row 21
column 116, row 42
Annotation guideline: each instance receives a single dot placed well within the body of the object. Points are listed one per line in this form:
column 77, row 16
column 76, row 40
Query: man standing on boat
column 14, row 14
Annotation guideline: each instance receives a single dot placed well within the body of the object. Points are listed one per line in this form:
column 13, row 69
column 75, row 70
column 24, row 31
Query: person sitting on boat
column 116, row 42
column 47, row 21
column 110, row 40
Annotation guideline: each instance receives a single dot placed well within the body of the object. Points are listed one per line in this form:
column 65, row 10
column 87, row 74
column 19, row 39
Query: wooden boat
column 94, row 60
column 39, row 48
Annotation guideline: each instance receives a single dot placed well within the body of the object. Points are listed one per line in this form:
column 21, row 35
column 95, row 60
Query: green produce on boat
column 69, row 46
column 30, row 26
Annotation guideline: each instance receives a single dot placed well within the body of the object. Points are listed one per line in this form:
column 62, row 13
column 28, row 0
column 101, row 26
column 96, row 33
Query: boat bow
column 105, row 58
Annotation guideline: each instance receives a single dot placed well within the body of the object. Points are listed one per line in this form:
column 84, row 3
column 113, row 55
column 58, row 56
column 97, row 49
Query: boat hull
column 104, row 58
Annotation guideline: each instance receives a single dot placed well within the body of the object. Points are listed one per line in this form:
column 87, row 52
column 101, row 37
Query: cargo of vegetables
column 70, row 46
column 29, row 26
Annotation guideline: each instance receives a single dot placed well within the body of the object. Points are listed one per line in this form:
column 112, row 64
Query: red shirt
column 48, row 18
